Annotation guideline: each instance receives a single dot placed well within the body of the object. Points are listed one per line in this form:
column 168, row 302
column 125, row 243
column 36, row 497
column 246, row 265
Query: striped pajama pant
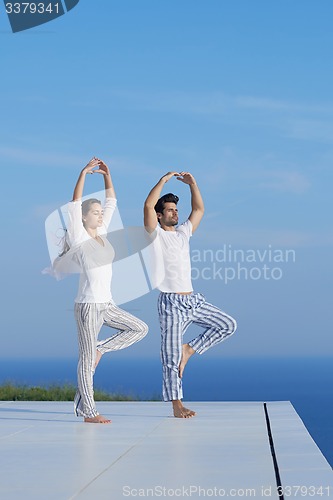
column 176, row 313
column 90, row 318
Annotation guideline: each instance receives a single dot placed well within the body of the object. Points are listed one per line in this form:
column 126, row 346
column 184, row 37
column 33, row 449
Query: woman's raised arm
column 88, row 169
column 104, row 169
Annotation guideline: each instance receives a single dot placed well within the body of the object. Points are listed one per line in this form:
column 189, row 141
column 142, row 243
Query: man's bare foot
column 98, row 358
column 99, row 419
column 180, row 411
column 187, row 353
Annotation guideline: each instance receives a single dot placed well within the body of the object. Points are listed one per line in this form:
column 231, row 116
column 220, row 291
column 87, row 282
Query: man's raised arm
column 197, row 203
column 150, row 217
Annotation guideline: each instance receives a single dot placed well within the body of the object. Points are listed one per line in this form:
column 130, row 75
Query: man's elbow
column 199, row 210
column 148, row 206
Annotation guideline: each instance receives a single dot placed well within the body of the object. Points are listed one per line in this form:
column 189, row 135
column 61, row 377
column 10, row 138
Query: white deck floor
column 47, row 453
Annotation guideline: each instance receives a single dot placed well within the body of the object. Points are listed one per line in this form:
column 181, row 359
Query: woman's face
column 94, row 218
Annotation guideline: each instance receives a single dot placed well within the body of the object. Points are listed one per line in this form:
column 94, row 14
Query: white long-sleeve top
column 93, row 258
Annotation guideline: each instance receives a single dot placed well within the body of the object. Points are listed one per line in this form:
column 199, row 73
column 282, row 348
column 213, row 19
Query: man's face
column 169, row 217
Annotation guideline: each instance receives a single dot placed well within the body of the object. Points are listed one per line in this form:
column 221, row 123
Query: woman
column 94, row 307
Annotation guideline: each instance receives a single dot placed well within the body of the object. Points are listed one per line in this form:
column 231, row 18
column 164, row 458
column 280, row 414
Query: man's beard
column 172, row 223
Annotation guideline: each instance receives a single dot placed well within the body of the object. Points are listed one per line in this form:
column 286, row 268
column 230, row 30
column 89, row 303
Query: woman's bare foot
column 187, row 353
column 99, row 419
column 180, row 411
column 98, row 358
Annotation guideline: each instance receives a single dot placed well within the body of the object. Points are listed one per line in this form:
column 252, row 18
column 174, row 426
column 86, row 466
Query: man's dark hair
column 167, row 198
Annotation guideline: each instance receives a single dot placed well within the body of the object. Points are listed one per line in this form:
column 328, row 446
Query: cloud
column 264, row 172
column 38, row 158
column 51, row 158
column 293, row 182
column 214, row 102
column 300, row 120
column 262, row 103
column 269, row 104
column 176, row 101
column 311, row 130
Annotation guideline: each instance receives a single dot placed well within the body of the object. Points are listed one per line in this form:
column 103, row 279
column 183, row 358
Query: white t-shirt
column 93, row 258
column 175, row 249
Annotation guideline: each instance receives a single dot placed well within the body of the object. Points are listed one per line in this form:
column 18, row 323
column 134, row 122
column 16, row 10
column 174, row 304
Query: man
column 178, row 305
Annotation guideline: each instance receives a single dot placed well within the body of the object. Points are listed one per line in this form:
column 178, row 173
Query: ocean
column 306, row 382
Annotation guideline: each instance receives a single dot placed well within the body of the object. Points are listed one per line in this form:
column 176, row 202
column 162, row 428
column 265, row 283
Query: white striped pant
column 176, row 313
column 89, row 319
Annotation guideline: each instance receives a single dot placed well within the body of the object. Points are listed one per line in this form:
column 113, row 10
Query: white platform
column 47, row 453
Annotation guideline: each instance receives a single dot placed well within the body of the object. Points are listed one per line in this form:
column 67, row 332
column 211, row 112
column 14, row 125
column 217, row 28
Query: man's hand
column 168, row 176
column 150, row 217
column 186, row 177
column 196, row 199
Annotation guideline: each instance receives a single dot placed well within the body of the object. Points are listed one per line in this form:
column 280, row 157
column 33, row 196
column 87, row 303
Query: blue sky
column 239, row 93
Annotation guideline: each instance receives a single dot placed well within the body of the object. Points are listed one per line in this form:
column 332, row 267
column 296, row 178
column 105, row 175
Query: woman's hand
column 95, row 166
column 88, row 169
column 103, row 168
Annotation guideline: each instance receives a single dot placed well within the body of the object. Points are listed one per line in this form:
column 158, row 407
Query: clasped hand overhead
column 96, row 166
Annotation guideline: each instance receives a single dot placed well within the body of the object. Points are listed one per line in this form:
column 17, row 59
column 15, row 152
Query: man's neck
column 168, row 228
